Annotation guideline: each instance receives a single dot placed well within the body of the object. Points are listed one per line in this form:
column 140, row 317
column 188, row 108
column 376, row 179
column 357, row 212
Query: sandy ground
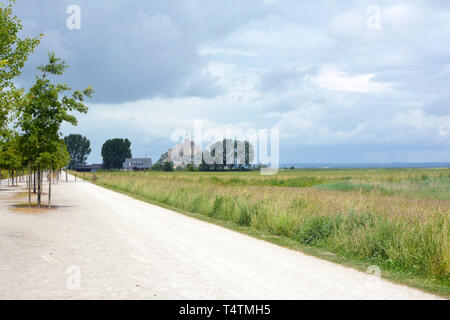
column 102, row 244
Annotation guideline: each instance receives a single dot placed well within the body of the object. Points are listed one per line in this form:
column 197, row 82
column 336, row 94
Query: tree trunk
column 50, row 187
column 66, row 177
column 29, row 184
column 39, row 187
column 34, row 181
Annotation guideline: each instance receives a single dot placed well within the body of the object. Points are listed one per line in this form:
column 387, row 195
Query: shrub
column 167, row 166
column 157, row 167
column 191, row 167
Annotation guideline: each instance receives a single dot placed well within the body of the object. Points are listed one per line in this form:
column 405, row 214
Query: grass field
column 396, row 219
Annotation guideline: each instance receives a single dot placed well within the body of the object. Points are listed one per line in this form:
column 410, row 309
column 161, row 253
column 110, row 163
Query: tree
column 190, row 167
column 54, row 161
column 78, row 147
column 161, row 163
column 114, row 153
column 14, row 51
column 41, row 117
column 157, row 167
column 167, row 166
column 10, row 159
column 228, row 154
column 163, row 158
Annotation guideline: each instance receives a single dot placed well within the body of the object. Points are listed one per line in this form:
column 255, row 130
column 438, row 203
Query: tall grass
column 358, row 219
column 425, row 187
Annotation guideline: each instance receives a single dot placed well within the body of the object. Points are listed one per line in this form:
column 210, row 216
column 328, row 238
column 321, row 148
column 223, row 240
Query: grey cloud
column 126, row 52
column 279, row 78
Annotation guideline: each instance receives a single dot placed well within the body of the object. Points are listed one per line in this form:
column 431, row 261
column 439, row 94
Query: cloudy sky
column 343, row 81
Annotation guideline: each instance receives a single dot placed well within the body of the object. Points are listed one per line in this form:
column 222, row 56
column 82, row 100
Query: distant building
column 89, row 168
column 137, row 164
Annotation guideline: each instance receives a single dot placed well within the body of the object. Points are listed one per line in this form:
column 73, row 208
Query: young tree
column 41, row 117
column 53, row 161
column 14, row 51
column 78, row 147
column 114, row 153
column 10, row 159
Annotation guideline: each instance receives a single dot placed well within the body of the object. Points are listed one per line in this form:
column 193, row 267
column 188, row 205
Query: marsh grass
column 396, row 219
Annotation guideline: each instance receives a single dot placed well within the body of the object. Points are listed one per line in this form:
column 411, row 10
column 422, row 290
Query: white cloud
column 333, row 78
column 402, row 15
column 226, row 52
column 350, row 23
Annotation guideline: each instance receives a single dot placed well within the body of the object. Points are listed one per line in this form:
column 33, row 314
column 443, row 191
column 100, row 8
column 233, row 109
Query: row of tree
column 30, row 121
column 228, row 154
column 114, row 151
column 222, row 155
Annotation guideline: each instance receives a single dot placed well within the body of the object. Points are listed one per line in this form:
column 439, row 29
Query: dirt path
column 101, row 244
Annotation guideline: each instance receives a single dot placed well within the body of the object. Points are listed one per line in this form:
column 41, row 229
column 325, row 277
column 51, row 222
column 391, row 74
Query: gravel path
column 102, row 244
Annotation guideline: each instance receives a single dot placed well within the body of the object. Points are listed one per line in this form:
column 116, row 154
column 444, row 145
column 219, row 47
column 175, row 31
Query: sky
column 342, row 81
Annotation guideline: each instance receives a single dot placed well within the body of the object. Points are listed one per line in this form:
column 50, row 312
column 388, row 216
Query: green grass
column 424, row 187
column 348, row 186
column 396, row 219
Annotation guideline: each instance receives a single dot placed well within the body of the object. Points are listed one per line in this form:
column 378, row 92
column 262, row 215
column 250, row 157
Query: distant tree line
column 225, row 155
column 228, row 154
